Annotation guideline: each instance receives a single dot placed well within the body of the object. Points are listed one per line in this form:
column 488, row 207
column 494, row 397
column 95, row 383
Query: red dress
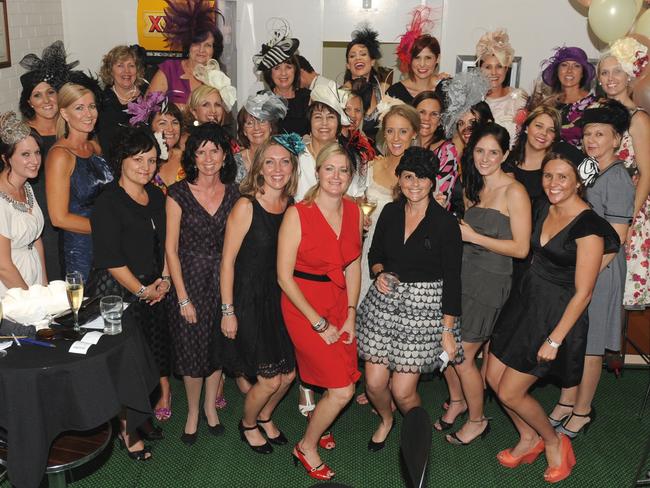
column 321, row 253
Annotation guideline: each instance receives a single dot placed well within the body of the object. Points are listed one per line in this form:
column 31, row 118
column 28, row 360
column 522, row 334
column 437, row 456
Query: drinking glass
column 74, row 286
column 111, row 308
column 368, row 205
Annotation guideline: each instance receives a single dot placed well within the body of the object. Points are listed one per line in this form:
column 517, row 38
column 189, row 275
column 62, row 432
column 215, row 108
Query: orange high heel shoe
column 507, row 460
column 558, row 473
column 320, row 472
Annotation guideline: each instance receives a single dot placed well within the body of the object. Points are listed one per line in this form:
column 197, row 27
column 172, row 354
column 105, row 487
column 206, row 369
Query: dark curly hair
column 130, row 141
column 209, row 132
column 471, row 177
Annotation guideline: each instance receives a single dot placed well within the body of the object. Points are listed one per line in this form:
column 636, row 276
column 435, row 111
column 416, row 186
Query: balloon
column 586, row 3
column 611, row 19
column 639, row 4
column 641, row 93
column 643, row 24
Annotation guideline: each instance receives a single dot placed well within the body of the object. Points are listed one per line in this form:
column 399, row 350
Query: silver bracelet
column 448, row 329
column 552, row 343
column 227, row 313
column 321, row 325
column 140, row 292
column 184, row 303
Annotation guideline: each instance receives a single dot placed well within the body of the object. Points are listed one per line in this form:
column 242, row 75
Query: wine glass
column 74, row 286
column 368, row 205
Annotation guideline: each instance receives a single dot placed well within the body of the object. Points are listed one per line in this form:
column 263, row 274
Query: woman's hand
column 466, row 231
column 229, row 326
column 349, row 328
column 441, row 199
column 330, row 335
column 381, row 284
column 546, row 353
column 367, row 222
column 188, row 312
column 449, row 345
column 153, row 293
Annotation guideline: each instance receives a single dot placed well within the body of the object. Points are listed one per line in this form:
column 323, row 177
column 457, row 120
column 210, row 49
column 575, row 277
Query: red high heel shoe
column 558, row 473
column 326, row 441
column 320, row 472
column 507, row 460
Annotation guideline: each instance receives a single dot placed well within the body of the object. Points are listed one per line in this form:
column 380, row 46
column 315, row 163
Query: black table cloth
column 47, row 391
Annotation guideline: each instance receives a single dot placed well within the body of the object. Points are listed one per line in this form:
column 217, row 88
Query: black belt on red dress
column 309, row 276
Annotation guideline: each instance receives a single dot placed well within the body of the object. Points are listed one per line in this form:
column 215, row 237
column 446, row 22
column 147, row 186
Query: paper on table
column 80, row 347
column 92, row 337
column 96, row 323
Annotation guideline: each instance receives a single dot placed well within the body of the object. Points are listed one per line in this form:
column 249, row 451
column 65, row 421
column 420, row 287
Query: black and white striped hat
column 275, row 52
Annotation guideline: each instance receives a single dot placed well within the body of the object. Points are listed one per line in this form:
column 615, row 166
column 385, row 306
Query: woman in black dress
column 197, row 209
column 542, row 329
column 258, row 345
column 128, row 223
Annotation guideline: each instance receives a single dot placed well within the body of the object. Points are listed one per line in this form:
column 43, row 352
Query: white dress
column 505, row 110
column 22, row 228
column 383, row 196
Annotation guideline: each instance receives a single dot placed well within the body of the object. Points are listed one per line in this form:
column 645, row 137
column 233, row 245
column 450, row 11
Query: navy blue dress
column 88, row 178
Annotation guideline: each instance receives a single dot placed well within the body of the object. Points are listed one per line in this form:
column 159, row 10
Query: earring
column 196, row 123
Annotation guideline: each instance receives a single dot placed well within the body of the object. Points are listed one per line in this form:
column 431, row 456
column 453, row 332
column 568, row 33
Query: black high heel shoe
column 279, row 440
column 190, row 439
column 557, row 422
column 573, row 434
column 454, row 440
column 378, row 446
column 143, row 454
column 215, row 430
column 265, row 448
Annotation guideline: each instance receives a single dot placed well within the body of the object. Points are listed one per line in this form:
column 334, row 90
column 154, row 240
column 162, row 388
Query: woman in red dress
column 319, row 272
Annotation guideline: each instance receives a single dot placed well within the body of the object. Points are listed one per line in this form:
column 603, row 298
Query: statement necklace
column 21, row 206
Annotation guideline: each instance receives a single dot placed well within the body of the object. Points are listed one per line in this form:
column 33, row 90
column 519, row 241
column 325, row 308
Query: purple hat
column 564, row 53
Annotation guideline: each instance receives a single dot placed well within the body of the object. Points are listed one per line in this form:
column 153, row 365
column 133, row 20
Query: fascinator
column 210, row 74
column 187, row 21
column 279, row 48
column 611, row 112
column 142, row 108
column 87, row 81
column 291, row 141
column 12, row 129
column 334, row 98
column 385, row 104
column 368, row 37
column 51, row 68
column 461, row 92
column 419, row 23
column 497, row 44
column 632, row 55
column 564, row 53
column 267, row 106
column 587, row 166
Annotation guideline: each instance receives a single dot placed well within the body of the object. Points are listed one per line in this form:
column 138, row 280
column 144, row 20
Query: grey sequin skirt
column 403, row 329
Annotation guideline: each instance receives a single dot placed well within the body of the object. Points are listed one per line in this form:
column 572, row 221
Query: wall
column 33, row 25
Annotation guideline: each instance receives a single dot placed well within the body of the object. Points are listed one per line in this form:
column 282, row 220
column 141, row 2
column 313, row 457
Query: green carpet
column 607, row 457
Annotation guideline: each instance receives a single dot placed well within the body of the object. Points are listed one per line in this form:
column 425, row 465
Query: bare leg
column 586, row 392
column 484, row 364
column 133, row 443
column 377, row 379
column 212, row 384
column 243, row 384
column 222, row 382
column 267, row 411
column 326, row 411
column 472, row 384
column 257, row 397
column 165, row 393
column 457, row 403
column 404, row 389
column 193, row 391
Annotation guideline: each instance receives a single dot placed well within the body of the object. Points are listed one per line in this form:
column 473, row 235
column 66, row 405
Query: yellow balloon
column 639, row 4
column 611, row 19
column 643, row 24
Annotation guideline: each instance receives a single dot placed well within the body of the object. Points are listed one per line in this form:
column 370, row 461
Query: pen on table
column 37, row 343
column 15, row 340
column 12, row 337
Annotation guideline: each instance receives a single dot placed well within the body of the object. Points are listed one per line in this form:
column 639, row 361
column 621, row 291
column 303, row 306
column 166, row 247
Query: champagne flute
column 368, row 206
column 74, row 287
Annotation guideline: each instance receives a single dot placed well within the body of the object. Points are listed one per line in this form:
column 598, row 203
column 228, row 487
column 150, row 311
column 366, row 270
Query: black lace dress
column 262, row 345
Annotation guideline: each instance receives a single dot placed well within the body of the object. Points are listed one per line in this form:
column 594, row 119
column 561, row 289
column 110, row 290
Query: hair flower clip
column 291, row 141
column 144, row 106
column 211, row 75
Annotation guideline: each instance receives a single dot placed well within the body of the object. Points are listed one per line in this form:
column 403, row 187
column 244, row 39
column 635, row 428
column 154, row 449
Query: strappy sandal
column 557, row 422
column 448, row 425
column 456, row 441
column 143, row 454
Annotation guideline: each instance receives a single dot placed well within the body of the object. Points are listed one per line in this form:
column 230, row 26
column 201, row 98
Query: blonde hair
column 116, row 55
column 403, row 110
column 254, row 181
column 329, row 150
column 199, row 94
column 68, row 94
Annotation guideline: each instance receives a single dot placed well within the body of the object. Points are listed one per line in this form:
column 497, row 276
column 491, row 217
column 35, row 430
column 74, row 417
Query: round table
column 47, row 391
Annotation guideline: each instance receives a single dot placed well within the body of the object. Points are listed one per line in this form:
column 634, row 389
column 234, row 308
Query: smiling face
column 488, row 156
column 465, row 125
column 612, row 77
column 170, row 127
column 600, row 141
column 398, row 134
column 429, row 111
column 43, row 101
column 124, row 73
column 139, row 168
column 569, row 73
column 81, row 115
column 335, row 175
column 257, row 131
column 559, row 181
column 276, row 167
column 354, row 111
column 210, row 109
column 424, row 64
column 359, row 61
column 26, row 159
column 324, row 125
column 493, row 70
column 413, row 188
column 541, row 132
column 283, row 75
column 201, row 52
column 209, row 159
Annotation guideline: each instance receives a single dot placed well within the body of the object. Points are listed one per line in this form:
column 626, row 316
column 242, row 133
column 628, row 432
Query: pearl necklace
column 124, row 100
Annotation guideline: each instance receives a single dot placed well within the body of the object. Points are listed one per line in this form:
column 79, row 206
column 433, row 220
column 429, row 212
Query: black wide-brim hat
column 271, row 56
column 614, row 114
